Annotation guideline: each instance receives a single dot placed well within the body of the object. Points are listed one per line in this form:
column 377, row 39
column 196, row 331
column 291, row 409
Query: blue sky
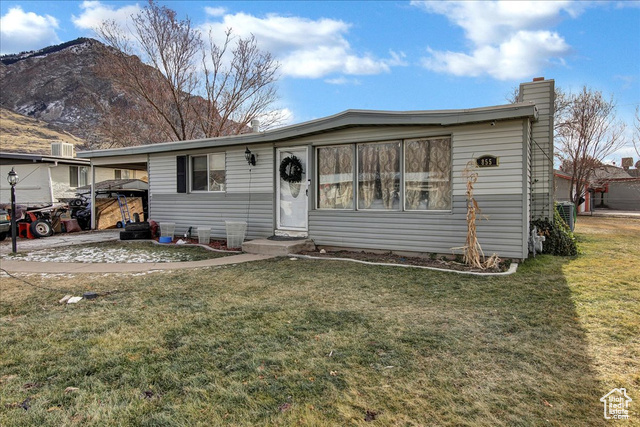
column 390, row 55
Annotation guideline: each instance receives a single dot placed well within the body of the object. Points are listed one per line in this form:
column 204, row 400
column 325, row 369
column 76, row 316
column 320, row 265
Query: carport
column 132, row 162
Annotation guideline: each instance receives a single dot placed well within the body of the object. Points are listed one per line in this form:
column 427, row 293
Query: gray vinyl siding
column 498, row 191
column 542, row 94
column 261, row 174
column 241, row 202
column 212, row 210
column 424, row 232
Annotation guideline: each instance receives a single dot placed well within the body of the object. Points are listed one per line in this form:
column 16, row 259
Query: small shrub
column 559, row 238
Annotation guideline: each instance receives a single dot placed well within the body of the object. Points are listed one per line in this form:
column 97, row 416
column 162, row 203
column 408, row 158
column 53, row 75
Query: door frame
column 292, row 231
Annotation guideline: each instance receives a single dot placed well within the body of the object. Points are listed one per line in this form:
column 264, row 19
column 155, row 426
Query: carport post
column 93, row 196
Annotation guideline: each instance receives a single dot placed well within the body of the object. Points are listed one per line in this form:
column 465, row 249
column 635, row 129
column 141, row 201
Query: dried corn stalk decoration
column 472, row 251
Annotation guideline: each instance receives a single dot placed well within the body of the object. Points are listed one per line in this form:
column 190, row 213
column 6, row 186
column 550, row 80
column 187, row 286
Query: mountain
column 63, row 86
column 58, row 86
column 23, row 134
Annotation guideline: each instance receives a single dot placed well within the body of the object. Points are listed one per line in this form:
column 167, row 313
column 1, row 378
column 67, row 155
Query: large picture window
column 208, row 172
column 379, row 176
column 335, row 175
column 427, row 178
column 422, row 182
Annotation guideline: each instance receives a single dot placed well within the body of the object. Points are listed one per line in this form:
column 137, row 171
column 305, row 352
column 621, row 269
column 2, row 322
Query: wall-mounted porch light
column 250, row 157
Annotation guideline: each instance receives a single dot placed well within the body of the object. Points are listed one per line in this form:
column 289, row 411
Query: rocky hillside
column 62, row 85
column 59, row 87
column 21, row 134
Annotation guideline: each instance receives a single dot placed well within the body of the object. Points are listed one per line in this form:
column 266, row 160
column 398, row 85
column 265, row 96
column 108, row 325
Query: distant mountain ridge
column 12, row 58
column 63, row 86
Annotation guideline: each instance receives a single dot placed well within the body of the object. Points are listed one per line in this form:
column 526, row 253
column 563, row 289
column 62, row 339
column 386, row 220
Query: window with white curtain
column 423, row 184
column 427, row 174
column 379, row 176
column 208, row 172
column 335, row 176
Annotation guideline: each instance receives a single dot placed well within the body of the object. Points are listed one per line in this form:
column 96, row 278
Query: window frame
column 80, row 177
column 400, row 171
column 208, row 172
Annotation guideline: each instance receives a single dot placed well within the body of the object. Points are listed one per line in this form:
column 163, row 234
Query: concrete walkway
column 79, row 267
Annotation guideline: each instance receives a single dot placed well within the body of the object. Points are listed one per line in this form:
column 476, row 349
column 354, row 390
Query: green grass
column 304, row 342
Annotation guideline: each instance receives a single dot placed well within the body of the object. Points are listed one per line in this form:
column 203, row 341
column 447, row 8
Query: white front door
column 292, row 197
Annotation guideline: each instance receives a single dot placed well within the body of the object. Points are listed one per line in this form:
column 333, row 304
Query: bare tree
column 636, row 131
column 238, row 87
column 587, row 134
column 239, row 91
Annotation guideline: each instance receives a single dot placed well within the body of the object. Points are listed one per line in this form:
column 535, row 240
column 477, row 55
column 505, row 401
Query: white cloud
column 277, row 118
column 23, row 31
column 510, row 40
column 304, row 47
column 94, row 13
column 342, row 80
column 215, row 11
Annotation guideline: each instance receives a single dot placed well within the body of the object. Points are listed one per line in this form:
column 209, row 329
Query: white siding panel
column 162, row 173
column 504, row 140
column 261, row 173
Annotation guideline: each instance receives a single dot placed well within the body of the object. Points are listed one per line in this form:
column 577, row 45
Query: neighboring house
column 562, row 194
column 44, row 179
column 370, row 179
column 615, row 188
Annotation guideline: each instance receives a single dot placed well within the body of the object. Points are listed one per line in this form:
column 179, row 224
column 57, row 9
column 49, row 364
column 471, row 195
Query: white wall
column 33, row 186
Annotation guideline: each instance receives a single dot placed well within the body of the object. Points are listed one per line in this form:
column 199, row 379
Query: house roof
column 40, row 158
column 346, row 119
column 609, row 172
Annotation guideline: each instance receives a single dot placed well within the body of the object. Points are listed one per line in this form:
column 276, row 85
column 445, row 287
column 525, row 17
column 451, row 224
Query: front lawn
column 307, row 342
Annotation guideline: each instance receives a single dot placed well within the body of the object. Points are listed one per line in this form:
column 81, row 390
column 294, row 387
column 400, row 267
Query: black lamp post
column 250, row 157
column 13, row 180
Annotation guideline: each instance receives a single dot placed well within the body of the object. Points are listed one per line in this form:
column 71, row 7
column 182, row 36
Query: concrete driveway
column 60, row 240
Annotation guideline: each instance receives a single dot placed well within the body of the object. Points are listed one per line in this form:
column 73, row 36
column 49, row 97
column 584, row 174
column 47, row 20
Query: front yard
column 303, row 342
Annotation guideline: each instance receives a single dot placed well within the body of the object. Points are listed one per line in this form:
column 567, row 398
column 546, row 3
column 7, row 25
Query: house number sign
column 488, row 161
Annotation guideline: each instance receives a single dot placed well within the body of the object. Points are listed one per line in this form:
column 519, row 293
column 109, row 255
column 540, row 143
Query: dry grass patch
column 305, row 342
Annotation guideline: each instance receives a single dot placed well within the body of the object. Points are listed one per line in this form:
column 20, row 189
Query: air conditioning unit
column 61, row 149
column 567, row 212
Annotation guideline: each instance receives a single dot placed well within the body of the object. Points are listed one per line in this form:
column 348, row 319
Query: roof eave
column 349, row 118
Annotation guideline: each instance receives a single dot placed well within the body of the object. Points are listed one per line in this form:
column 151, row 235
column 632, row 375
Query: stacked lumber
column 108, row 211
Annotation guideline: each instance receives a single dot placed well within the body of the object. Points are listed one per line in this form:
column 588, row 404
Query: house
column 615, row 188
column 48, row 178
column 562, row 182
column 366, row 179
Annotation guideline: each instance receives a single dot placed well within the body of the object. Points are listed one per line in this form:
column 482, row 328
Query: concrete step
column 277, row 247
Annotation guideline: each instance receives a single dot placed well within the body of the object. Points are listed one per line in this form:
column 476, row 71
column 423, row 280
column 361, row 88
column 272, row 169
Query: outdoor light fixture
column 250, row 157
column 13, row 180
